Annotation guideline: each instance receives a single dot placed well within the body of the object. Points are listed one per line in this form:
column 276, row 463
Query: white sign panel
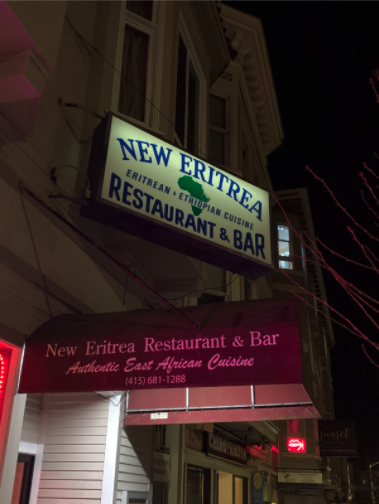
column 298, row 477
column 161, row 467
column 154, row 179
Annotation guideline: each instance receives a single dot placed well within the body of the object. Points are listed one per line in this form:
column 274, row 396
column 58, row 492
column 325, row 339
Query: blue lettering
column 161, row 154
column 179, row 216
column 138, row 203
column 157, row 208
column 190, row 222
column 148, row 200
column 244, row 197
column 126, row 193
column 234, row 191
column 171, row 215
column 260, row 245
column 257, row 208
column 199, row 169
column 143, row 151
column 237, row 239
column 202, row 226
column 212, row 225
column 125, row 147
column 114, row 186
column 222, row 178
column 185, row 163
column 211, row 172
column 248, row 243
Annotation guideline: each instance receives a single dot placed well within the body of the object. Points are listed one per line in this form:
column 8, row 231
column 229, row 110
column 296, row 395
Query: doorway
column 23, row 479
column 231, row 489
column 198, row 485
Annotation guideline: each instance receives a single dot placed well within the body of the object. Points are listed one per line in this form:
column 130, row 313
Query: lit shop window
column 218, row 131
column 187, row 100
column 284, row 247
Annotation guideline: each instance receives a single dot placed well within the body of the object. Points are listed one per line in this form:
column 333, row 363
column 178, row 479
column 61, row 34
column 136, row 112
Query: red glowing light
column 296, row 445
column 5, row 355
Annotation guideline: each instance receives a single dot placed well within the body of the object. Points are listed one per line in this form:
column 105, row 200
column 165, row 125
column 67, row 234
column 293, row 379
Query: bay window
column 137, row 60
column 134, row 67
column 187, row 100
column 218, row 130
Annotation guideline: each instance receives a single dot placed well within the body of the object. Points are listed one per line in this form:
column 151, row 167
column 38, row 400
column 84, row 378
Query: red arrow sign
column 296, row 445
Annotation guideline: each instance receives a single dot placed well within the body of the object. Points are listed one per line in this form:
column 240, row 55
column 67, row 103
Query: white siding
column 134, row 469
column 73, row 457
column 31, row 420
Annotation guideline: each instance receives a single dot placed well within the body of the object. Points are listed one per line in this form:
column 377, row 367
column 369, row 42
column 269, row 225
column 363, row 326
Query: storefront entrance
column 230, row 489
column 198, row 488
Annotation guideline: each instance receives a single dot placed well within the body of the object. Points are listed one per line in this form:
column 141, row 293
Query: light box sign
column 221, row 447
column 297, row 445
column 238, row 344
column 150, row 188
column 337, row 438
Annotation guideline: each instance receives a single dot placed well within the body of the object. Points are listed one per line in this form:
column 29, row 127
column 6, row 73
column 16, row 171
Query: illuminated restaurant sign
column 150, row 188
column 237, row 344
column 296, row 445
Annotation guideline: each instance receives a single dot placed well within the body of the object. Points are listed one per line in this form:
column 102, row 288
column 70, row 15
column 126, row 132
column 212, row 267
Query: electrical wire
column 85, row 41
column 46, row 290
column 109, row 256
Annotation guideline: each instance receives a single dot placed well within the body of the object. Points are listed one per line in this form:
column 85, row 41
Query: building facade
column 195, row 75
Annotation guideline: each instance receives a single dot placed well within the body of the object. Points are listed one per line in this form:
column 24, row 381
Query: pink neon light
column 4, row 369
column 296, row 445
column 2, row 383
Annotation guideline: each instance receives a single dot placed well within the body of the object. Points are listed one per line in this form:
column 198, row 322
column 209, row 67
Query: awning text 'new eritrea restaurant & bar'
column 151, row 350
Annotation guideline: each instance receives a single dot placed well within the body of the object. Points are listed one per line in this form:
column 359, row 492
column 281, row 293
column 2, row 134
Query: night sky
column 322, row 55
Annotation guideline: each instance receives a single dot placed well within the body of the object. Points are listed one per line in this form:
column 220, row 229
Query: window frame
column 294, row 434
column 289, row 258
column 154, row 30
column 226, row 132
column 192, row 58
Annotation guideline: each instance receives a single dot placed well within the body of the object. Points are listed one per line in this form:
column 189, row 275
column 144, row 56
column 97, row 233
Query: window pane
column 143, row 8
column 284, row 233
column 216, row 147
column 134, row 72
column 284, row 248
column 217, row 111
column 180, row 112
column 194, row 490
column 193, row 93
column 285, row 264
column 294, row 426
